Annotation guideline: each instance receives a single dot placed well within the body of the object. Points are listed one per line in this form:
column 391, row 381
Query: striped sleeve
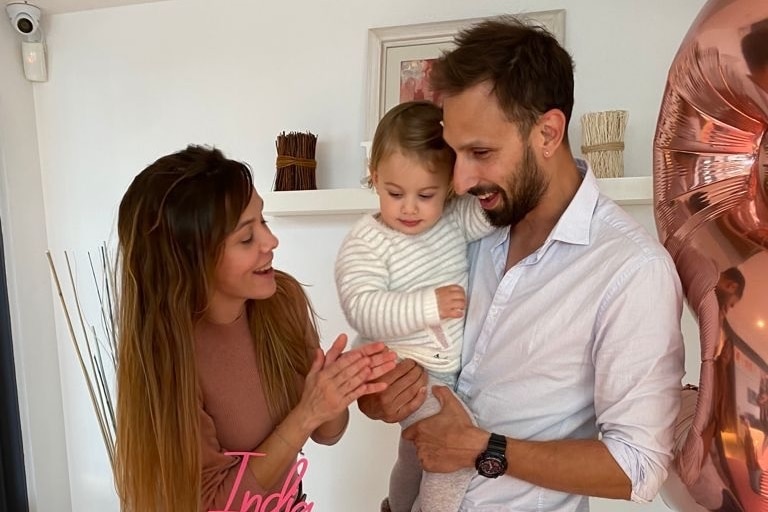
column 471, row 217
column 375, row 312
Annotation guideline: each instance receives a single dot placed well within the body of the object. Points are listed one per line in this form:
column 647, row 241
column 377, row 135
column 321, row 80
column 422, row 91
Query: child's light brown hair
column 415, row 129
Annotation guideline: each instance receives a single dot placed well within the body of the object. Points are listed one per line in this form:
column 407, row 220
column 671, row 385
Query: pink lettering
column 303, row 507
column 281, row 501
column 248, row 501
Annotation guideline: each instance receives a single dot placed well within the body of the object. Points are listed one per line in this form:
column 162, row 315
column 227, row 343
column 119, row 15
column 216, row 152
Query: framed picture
column 399, row 59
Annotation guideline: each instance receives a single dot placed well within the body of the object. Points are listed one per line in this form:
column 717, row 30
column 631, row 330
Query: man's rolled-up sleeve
column 639, row 363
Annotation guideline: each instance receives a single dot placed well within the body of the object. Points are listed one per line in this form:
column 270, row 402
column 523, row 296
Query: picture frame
column 399, row 51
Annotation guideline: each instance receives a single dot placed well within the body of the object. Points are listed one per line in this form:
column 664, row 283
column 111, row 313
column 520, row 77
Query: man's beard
column 526, row 186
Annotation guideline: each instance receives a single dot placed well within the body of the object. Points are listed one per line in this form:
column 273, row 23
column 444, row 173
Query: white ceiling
column 50, row 7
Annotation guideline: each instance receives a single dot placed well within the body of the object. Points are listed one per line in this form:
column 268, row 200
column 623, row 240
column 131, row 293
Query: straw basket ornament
column 296, row 162
column 603, row 142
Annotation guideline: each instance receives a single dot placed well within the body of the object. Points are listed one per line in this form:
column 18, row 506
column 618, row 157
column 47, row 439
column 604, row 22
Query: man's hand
column 447, row 441
column 406, row 391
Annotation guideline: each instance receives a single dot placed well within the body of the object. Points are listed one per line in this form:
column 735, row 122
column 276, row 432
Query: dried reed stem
column 94, row 372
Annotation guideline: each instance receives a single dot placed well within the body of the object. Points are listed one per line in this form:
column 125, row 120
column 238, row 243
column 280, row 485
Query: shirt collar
column 575, row 223
column 498, row 237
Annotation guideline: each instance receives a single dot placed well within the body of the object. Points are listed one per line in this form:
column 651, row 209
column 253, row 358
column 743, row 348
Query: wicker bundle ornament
column 603, row 142
column 296, row 161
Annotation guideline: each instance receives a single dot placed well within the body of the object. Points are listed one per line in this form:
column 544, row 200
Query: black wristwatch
column 492, row 463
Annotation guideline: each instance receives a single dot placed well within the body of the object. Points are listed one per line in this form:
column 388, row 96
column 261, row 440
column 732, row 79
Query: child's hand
column 451, row 301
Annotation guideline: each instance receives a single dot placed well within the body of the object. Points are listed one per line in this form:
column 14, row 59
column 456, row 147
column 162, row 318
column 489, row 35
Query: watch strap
column 497, row 444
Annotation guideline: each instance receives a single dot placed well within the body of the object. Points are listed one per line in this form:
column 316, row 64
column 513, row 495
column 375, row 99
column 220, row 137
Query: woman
column 218, row 352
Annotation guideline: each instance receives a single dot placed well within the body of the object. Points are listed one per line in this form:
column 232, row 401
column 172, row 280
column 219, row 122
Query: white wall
column 130, row 84
column 34, row 339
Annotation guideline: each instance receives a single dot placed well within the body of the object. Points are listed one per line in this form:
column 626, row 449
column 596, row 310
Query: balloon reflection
column 710, row 199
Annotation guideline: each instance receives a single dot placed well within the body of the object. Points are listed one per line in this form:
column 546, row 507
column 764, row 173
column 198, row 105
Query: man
column 573, row 354
column 754, row 47
column 729, row 289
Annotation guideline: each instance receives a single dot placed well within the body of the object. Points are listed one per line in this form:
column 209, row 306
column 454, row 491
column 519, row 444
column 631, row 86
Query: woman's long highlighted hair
column 172, row 224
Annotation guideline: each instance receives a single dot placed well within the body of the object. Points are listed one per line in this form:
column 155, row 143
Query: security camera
column 25, row 19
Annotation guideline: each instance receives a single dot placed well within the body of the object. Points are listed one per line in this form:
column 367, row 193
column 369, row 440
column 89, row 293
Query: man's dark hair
column 529, row 70
column 733, row 274
column 754, row 46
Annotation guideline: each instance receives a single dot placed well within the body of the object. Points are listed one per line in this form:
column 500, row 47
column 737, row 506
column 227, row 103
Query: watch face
column 491, row 465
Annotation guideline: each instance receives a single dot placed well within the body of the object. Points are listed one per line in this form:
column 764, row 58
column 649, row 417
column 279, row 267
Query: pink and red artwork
column 414, row 81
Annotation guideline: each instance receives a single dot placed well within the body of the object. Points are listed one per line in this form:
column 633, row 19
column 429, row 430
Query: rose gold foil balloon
column 711, row 206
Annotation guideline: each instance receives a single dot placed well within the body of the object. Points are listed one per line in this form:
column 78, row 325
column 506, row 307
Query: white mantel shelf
column 349, row 201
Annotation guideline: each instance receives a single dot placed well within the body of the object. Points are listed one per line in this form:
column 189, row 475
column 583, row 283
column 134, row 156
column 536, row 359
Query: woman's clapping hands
column 338, row 378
